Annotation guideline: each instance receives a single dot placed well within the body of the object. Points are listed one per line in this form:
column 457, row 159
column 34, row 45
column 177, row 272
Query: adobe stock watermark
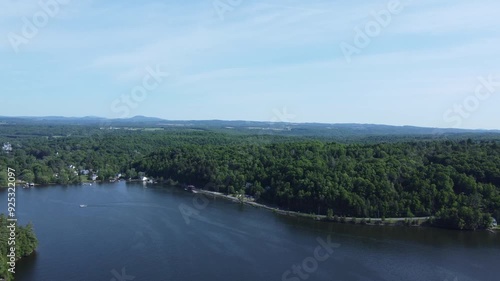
column 48, row 9
column 200, row 201
column 150, row 82
column 363, row 35
column 282, row 118
column 483, row 91
column 278, row 122
column 221, row 7
column 310, row 264
column 121, row 276
column 282, row 115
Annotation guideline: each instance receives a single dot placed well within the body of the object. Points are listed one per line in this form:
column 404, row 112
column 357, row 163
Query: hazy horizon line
column 243, row 120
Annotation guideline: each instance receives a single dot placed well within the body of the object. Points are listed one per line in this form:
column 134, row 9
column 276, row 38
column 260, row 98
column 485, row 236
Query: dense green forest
column 456, row 179
column 25, row 244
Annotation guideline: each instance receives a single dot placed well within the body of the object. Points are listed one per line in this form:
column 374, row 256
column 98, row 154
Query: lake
column 132, row 232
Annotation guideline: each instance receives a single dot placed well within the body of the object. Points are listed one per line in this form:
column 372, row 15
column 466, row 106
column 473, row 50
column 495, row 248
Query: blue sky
column 254, row 60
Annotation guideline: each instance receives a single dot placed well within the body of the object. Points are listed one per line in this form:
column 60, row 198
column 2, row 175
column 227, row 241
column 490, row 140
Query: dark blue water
column 129, row 232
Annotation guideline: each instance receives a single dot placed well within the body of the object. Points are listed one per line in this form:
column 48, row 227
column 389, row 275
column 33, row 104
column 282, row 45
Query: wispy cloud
column 431, row 17
column 282, row 53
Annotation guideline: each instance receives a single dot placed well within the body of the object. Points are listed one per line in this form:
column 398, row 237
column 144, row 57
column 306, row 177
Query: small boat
column 83, row 206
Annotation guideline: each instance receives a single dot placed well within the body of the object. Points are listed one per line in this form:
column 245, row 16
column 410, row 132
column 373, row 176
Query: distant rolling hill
column 252, row 127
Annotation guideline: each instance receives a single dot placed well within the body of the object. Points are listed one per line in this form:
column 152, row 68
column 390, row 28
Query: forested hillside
column 457, row 180
column 61, row 157
column 25, row 243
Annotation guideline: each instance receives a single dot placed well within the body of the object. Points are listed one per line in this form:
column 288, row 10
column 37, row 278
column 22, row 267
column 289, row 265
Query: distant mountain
column 300, row 129
column 141, row 118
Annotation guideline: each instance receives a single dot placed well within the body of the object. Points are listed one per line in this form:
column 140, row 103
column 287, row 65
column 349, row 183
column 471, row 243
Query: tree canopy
column 457, row 180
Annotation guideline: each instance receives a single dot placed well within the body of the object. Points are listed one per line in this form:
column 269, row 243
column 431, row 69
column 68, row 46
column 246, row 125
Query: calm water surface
column 129, row 232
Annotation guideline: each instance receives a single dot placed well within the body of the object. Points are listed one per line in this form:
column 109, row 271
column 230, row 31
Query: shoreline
column 353, row 220
column 405, row 221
